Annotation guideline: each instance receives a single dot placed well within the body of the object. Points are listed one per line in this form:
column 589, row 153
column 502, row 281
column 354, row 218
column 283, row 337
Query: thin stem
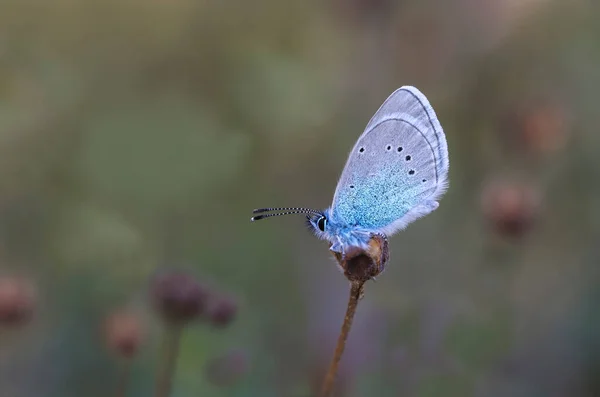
column 356, row 290
column 124, row 375
column 170, row 352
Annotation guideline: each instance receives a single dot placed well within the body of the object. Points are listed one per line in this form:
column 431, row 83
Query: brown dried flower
column 223, row 310
column 510, row 207
column 123, row 333
column 545, row 128
column 17, row 300
column 363, row 265
column 178, row 297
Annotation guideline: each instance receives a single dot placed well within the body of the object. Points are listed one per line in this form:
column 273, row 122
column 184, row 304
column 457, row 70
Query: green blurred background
column 138, row 136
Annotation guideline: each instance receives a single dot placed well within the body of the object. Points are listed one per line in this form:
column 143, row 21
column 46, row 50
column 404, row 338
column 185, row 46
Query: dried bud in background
column 178, row 297
column 363, row 265
column 511, row 208
column 545, row 128
column 123, row 332
column 228, row 368
column 222, row 311
column 17, row 300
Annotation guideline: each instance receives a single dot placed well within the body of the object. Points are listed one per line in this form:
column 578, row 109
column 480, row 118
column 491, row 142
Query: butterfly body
column 396, row 173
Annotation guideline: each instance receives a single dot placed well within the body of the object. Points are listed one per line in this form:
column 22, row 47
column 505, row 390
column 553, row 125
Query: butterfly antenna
column 286, row 211
column 303, row 210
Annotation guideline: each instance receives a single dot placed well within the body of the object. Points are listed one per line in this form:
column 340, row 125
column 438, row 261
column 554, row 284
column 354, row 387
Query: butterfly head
column 317, row 221
column 323, row 226
column 320, row 224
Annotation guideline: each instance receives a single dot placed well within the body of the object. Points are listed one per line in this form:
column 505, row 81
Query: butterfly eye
column 321, row 223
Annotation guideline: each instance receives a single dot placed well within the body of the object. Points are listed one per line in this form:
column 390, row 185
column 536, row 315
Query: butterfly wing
column 398, row 168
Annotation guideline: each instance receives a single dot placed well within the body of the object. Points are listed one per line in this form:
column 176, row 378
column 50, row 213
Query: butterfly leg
column 337, row 246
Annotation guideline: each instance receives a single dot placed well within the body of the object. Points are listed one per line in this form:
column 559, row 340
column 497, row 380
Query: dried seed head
column 17, row 300
column 123, row 332
column 227, row 369
column 545, row 128
column 511, row 208
column 178, row 297
column 362, row 265
column 222, row 311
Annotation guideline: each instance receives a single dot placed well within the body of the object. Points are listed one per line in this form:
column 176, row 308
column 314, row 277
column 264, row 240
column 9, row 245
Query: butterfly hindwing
column 397, row 169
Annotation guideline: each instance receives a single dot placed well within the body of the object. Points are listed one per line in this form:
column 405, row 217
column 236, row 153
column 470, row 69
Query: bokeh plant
column 124, row 333
column 18, row 300
column 180, row 299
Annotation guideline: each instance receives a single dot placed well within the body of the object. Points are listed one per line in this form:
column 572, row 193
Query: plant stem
column 124, row 376
column 170, row 352
column 356, row 290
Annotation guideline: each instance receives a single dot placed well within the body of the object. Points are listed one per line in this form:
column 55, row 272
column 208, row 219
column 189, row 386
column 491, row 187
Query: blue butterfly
column 395, row 174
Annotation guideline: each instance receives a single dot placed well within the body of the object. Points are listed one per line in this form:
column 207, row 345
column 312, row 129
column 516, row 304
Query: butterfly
column 396, row 173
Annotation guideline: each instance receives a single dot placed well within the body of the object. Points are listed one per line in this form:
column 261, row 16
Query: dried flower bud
column 222, row 311
column 510, row 208
column 178, row 297
column 545, row 128
column 362, row 265
column 17, row 300
column 227, row 369
column 123, row 333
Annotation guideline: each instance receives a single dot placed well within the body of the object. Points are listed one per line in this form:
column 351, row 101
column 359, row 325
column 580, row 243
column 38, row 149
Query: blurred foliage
column 138, row 136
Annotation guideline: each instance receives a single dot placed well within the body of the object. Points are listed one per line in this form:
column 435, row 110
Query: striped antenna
column 287, row 211
column 304, row 210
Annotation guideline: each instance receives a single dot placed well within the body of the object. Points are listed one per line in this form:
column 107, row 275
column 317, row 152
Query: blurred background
column 136, row 138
